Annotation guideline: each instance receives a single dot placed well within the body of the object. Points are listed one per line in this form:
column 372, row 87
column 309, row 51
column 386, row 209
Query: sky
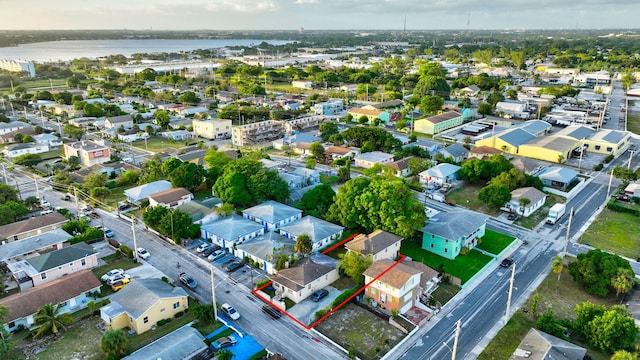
column 317, row 14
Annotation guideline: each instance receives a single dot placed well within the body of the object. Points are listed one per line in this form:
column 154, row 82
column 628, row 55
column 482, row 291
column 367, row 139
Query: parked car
column 111, row 274
column 94, row 215
column 143, row 253
column 188, row 280
column 210, row 250
column 512, row 217
column 123, row 207
column 108, row 233
column 271, row 311
column 118, row 278
column 120, row 284
column 45, row 204
column 216, row 255
column 230, row 311
column 506, row 262
column 223, row 342
column 233, row 266
column 66, row 197
column 202, row 247
column 319, row 295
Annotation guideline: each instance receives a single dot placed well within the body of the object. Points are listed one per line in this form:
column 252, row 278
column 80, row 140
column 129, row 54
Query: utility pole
column 37, row 188
column 135, row 243
column 213, row 297
column 566, row 239
column 455, row 340
column 17, row 187
column 513, row 276
column 4, row 174
column 75, row 194
column 631, row 151
column 610, row 180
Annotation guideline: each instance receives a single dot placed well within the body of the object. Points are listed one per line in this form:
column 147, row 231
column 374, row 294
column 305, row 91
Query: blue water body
column 92, row 49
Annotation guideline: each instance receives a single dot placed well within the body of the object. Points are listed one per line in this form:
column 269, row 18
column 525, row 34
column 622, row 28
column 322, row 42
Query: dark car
column 187, row 280
column 271, row 311
column 512, row 217
column 318, row 295
column 123, row 207
column 506, row 263
column 208, row 251
column 66, row 197
column 231, row 267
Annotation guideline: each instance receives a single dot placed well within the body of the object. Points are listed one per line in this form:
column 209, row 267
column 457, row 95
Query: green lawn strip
column 157, row 144
column 138, row 341
column 52, row 154
column 494, row 242
column 463, row 267
column 328, row 179
column 119, row 263
column 445, row 292
column 223, row 333
column 615, row 232
column 563, row 303
column 633, row 123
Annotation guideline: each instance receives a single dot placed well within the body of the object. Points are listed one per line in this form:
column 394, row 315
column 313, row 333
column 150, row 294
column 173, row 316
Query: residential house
column 527, row 166
column 392, row 286
column 89, row 152
column 125, row 121
column 177, row 135
column 53, row 265
column 48, row 139
column 186, row 343
column 440, row 174
column 15, row 150
column 230, row 231
column 439, row 123
column 302, row 84
column 309, row 176
column 272, row 214
column 138, row 194
column 369, row 159
column 31, row 227
column 483, row 152
column 401, row 167
column 310, row 274
column 141, row 304
column 370, row 114
column 339, row 152
column 322, row 233
column 212, row 129
column 190, row 111
column 455, row 151
column 395, row 104
column 538, row 345
column 379, row 244
column 555, row 176
column 171, row 198
column 9, row 138
column 446, row 233
column 294, row 140
column 70, row 293
column 45, row 242
column 428, row 145
column 633, row 190
column 13, row 126
column 328, row 108
column 201, row 211
column 535, row 199
column 470, row 91
column 266, row 250
column 131, row 135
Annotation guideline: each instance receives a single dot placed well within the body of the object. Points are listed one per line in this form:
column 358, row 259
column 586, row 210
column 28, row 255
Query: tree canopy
column 378, row 203
column 245, row 181
column 596, row 269
column 317, row 201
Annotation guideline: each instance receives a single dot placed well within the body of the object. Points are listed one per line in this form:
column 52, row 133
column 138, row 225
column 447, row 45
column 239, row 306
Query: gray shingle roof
column 531, row 193
column 317, row 229
column 141, row 294
column 305, row 272
column 185, row 343
column 373, row 243
column 272, row 211
column 231, row 227
column 268, row 246
column 516, row 137
column 63, row 256
column 558, row 174
column 33, row 243
column 441, row 170
column 454, row 224
column 455, row 150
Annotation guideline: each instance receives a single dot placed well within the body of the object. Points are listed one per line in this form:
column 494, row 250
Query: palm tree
column 225, row 354
column 50, row 320
column 623, row 281
column 523, row 203
column 557, row 265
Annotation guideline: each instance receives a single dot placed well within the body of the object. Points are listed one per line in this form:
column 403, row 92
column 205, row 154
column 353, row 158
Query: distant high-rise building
column 26, row 67
column 301, row 30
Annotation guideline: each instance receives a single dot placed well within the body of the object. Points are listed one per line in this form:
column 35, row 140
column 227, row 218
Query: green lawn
column 494, row 242
column 615, row 232
column 569, row 295
column 328, row 179
column 445, row 292
column 467, row 196
column 463, row 267
column 633, row 123
column 158, row 144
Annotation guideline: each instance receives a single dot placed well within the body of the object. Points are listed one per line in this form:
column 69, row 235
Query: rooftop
column 317, row 229
column 558, row 174
column 60, row 257
column 395, row 277
column 272, row 211
column 141, row 294
column 444, row 117
column 169, row 196
column 231, row 227
column 515, row 137
column 373, row 243
column 456, row 224
column 31, row 244
column 36, row 222
column 534, row 195
column 305, row 271
column 374, row 156
column 185, row 343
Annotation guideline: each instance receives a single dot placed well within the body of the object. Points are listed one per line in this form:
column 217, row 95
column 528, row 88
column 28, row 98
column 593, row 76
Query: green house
column 446, row 233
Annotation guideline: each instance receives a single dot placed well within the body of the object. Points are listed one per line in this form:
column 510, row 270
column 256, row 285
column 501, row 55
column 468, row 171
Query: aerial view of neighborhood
column 319, row 194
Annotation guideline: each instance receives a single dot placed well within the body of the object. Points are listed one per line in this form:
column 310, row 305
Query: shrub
column 464, row 251
column 127, row 251
column 608, row 159
column 320, row 313
column 344, row 296
column 262, row 282
column 163, row 322
column 598, row 167
column 179, row 314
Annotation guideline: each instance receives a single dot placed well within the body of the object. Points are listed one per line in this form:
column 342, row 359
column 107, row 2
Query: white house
column 302, row 84
column 171, row 198
column 307, row 276
column 440, row 174
column 272, row 214
column 140, row 193
column 48, row 139
column 231, row 230
column 321, row 232
column 535, row 197
column 15, row 150
column 380, row 244
column 369, row 159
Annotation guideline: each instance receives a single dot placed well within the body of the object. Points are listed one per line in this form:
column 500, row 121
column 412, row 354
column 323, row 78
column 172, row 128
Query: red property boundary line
column 309, row 327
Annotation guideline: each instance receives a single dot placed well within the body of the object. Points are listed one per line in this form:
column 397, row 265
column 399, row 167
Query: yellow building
column 439, row 123
column 549, row 148
column 371, row 114
column 508, row 141
column 141, row 304
column 608, row 142
column 212, row 129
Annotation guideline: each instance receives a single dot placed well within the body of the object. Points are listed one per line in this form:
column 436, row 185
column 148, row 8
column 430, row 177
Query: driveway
column 305, row 310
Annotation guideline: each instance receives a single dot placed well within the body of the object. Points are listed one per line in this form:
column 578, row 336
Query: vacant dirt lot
column 356, row 329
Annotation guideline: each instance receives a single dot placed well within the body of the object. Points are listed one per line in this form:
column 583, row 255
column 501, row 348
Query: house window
column 70, row 264
column 162, row 310
column 145, row 320
column 63, row 304
column 83, row 262
column 446, row 250
column 12, row 324
column 609, row 149
column 597, row 147
column 176, row 305
column 432, row 236
column 43, row 276
column 432, row 245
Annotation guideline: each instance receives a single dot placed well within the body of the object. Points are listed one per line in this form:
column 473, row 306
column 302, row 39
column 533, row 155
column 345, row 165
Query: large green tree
column 379, row 203
column 245, row 181
column 6, row 345
column 188, row 175
column 73, row 131
column 596, row 269
column 317, row 201
column 354, row 264
column 304, row 244
column 113, row 343
column 495, row 195
column 162, row 118
column 614, row 330
column 50, row 320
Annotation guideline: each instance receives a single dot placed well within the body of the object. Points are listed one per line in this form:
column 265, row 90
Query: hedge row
column 615, row 206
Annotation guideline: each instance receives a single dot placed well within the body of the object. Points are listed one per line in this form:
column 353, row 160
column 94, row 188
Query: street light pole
column 566, row 240
column 455, row 340
column 513, row 275
column 610, row 180
column 135, row 244
column 173, row 237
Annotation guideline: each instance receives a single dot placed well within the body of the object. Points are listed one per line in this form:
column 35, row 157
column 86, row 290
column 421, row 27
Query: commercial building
column 439, row 123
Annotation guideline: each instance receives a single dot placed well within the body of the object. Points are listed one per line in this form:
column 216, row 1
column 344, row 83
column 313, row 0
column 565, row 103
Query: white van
column 45, row 212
